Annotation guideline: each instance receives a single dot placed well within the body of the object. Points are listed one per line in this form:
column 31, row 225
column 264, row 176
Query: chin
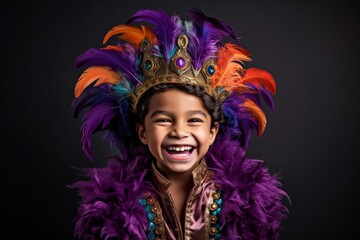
column 181, row 167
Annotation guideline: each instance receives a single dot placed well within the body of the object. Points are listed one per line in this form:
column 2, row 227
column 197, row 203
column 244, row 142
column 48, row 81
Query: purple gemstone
column 180, row 62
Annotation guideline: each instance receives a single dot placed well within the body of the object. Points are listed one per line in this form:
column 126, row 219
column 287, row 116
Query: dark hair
column 211, row 104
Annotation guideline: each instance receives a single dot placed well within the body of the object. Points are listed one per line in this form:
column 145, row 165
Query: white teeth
column 181, row 154
column 180, row 149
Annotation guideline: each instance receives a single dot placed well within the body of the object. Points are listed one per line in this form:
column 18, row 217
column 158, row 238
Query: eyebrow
column 170, row 114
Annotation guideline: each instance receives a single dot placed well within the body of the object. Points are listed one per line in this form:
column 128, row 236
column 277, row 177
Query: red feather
column 259, row 78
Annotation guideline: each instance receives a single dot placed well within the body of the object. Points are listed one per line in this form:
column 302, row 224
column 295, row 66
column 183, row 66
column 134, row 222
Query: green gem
column 148, row 65
column 211, row 70
column 218, row 211
column 147, row 208
column 152, row 226
column 218, row 236
column 151, row 236
column 218, row 201
column 151, row 216
column 142, row 201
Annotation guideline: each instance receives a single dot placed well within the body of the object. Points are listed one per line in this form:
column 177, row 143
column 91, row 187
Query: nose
column 179, row 130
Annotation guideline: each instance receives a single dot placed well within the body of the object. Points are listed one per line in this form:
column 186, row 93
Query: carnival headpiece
column 169, row 50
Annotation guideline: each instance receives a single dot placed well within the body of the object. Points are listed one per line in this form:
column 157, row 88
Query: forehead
column 174, row 99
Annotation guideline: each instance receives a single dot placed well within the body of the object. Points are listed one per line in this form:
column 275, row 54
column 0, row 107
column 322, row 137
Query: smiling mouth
column 179, row 151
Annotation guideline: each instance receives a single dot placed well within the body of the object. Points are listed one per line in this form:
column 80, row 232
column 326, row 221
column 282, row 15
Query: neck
column 182, row 180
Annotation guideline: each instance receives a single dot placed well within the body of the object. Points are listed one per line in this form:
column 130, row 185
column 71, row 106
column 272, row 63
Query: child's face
column 177, row 130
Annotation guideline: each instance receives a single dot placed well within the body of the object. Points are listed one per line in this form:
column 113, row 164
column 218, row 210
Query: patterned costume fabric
column 233, row 197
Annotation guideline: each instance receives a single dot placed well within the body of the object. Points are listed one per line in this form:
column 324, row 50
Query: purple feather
column 264, row 93
column 122, row 133
column 123, row 61
column 117, row 135
column 96, row 119
column 240, row 122
column 167, row 29
column 205, row 35
column 92, row 96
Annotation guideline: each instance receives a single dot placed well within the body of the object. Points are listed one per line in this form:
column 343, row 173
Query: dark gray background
column 311, row 48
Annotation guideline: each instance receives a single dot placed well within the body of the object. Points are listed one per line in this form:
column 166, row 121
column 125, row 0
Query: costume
column 233, row 197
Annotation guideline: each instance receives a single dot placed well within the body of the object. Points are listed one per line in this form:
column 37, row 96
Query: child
column 178, row 104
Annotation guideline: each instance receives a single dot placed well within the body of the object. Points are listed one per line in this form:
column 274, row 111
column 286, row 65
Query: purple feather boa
column 252, row 209
column 110, row 206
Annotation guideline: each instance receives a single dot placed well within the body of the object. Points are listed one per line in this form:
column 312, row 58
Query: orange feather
column 96, row 73
column 132, row 34
column 241, row 88
column 111, row 47
column 229, row 66
column 257, row 113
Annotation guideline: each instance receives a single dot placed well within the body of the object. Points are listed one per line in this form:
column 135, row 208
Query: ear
column 140, row 129
column 213, row 132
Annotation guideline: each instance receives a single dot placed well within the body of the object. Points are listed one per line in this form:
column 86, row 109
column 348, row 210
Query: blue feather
column 124, row 88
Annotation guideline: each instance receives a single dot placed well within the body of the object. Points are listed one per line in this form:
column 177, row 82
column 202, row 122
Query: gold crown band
column 142, row 88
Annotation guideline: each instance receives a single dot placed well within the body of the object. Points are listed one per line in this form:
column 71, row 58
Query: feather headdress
column 168, row 50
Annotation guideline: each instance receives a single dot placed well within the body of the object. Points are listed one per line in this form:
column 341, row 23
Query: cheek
column 203, row 137
column 155, row 137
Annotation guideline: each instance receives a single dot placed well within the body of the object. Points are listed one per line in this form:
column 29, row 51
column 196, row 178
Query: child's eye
column 162, row 120
column 195, row 120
